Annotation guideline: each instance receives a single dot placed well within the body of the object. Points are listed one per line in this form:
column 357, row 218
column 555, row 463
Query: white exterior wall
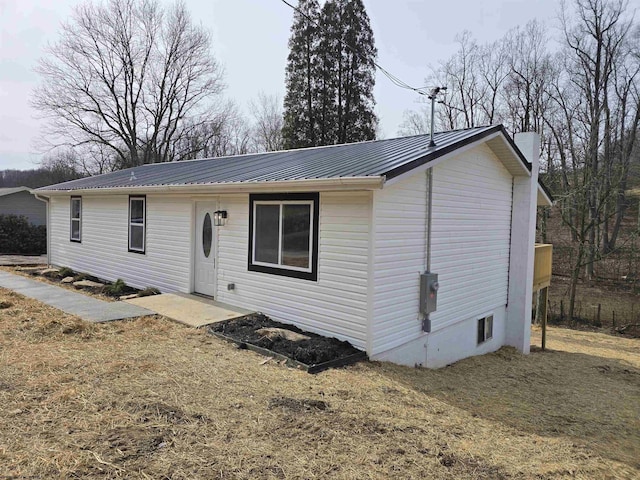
column 335, row 304
column 104, row 253
column 471, row 235
column 471, row 224
column 523, row 233
column 399, row 217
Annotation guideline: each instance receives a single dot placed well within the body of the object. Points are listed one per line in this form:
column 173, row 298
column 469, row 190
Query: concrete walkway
column 190, row 309
column 83, row 306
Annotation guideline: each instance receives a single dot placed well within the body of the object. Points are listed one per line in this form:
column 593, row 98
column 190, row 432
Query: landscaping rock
column 274, row 333
column 67, row 280
column 128, row 297
column 50, row 272
column 88, row 284
column 30, row 269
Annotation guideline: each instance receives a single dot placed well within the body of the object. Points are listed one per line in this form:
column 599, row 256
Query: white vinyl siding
column 104, row 248
column 399, row 258
column 335, row 304
column 471, row 220
column 471, row 234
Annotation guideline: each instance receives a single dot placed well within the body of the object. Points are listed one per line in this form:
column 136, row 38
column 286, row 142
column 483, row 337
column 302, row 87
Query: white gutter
column 543, row 198
column 46, row 200
column 341, row 183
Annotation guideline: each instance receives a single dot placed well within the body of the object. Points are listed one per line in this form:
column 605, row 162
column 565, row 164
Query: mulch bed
column 313, row 355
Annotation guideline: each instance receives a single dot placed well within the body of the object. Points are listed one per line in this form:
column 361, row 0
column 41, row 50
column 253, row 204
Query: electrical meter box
column 428, row 292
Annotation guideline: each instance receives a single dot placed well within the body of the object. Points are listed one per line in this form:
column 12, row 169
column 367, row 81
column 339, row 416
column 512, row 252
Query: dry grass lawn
column 153, row 399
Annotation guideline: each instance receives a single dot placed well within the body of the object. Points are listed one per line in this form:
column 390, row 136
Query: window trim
column 486, row 321
column 72, row 219
column 312, row 199
column 143, row 224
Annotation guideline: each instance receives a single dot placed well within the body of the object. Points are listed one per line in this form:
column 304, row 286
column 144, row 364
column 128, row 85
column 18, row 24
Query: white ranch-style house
column 335, row 239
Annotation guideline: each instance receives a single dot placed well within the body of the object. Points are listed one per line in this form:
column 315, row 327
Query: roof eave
column 491, row 135
column 312, row 184
column 544, row 198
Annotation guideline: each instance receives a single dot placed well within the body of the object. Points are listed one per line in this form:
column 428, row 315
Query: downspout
column 426, row 322
column 46, row 200
column 429, row 215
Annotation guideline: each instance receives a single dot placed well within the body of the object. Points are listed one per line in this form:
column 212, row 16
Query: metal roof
column 377, row 158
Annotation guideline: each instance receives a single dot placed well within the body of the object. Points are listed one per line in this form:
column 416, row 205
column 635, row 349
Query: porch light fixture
column 219, row 218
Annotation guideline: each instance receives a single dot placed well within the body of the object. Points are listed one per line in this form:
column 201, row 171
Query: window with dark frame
column 75, row 228
column 137, row 224
column 283, row 234
column 485, row 329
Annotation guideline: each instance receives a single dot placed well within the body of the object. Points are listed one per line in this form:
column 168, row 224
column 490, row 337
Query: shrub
column 117, row 288
column 17, row 235
column 66, row 272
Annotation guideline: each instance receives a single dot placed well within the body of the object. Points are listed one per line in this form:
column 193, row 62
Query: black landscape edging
column 315, row 368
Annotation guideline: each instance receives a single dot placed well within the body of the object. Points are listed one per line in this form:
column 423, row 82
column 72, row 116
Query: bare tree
column 415, row 122
column 622, row 122
column 466, row 89
column 594, row 42
column 530, row 67
column 267, row 115
column 493, row 67
column 228, row 133
column 129, row 79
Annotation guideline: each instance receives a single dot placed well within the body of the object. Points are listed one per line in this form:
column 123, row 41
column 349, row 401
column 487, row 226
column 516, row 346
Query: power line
column 395, row 80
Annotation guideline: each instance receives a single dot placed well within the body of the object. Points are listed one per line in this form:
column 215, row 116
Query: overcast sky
column 250, row 41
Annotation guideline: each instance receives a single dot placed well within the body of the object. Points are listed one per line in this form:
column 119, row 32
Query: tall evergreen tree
column 300, row 104
column 330, row 75
column 356, row 73
column 327, row 85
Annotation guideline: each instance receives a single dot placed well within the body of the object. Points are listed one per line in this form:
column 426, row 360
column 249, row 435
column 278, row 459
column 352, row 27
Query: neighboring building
column 332, row 239
column 21, row 201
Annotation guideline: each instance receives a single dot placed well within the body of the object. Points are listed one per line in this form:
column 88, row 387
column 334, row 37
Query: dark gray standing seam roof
column 388, row 158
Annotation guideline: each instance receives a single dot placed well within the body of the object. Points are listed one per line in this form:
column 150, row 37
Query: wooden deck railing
column 542, row 266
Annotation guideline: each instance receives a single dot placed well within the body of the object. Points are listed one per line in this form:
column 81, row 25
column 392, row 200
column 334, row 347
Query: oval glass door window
column 207, row 235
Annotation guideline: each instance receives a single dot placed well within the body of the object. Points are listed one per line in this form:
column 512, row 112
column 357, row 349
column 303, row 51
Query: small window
column 137, row 224
column 76, row 219
column 485, row 329
column 284, row 234
column 207, row 235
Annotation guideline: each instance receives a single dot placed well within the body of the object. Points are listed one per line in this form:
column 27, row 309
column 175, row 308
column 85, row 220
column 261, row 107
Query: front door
column 205, row 257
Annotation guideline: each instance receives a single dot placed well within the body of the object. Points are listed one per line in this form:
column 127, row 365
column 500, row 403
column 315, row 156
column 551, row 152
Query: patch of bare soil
column 313, row 349
column 150, row 398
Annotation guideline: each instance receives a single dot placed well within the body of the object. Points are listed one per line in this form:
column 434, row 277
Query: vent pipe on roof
column 432, row 96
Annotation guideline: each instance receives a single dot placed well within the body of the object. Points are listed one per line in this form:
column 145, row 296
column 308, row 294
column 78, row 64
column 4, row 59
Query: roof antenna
column 432, row 96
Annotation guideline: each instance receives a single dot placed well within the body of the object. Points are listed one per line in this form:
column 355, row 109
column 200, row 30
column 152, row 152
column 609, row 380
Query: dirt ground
column 153, row 399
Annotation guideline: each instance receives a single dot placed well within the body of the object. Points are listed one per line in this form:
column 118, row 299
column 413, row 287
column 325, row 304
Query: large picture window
column 137, row 224
column 283, row 237
column 75, row 229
